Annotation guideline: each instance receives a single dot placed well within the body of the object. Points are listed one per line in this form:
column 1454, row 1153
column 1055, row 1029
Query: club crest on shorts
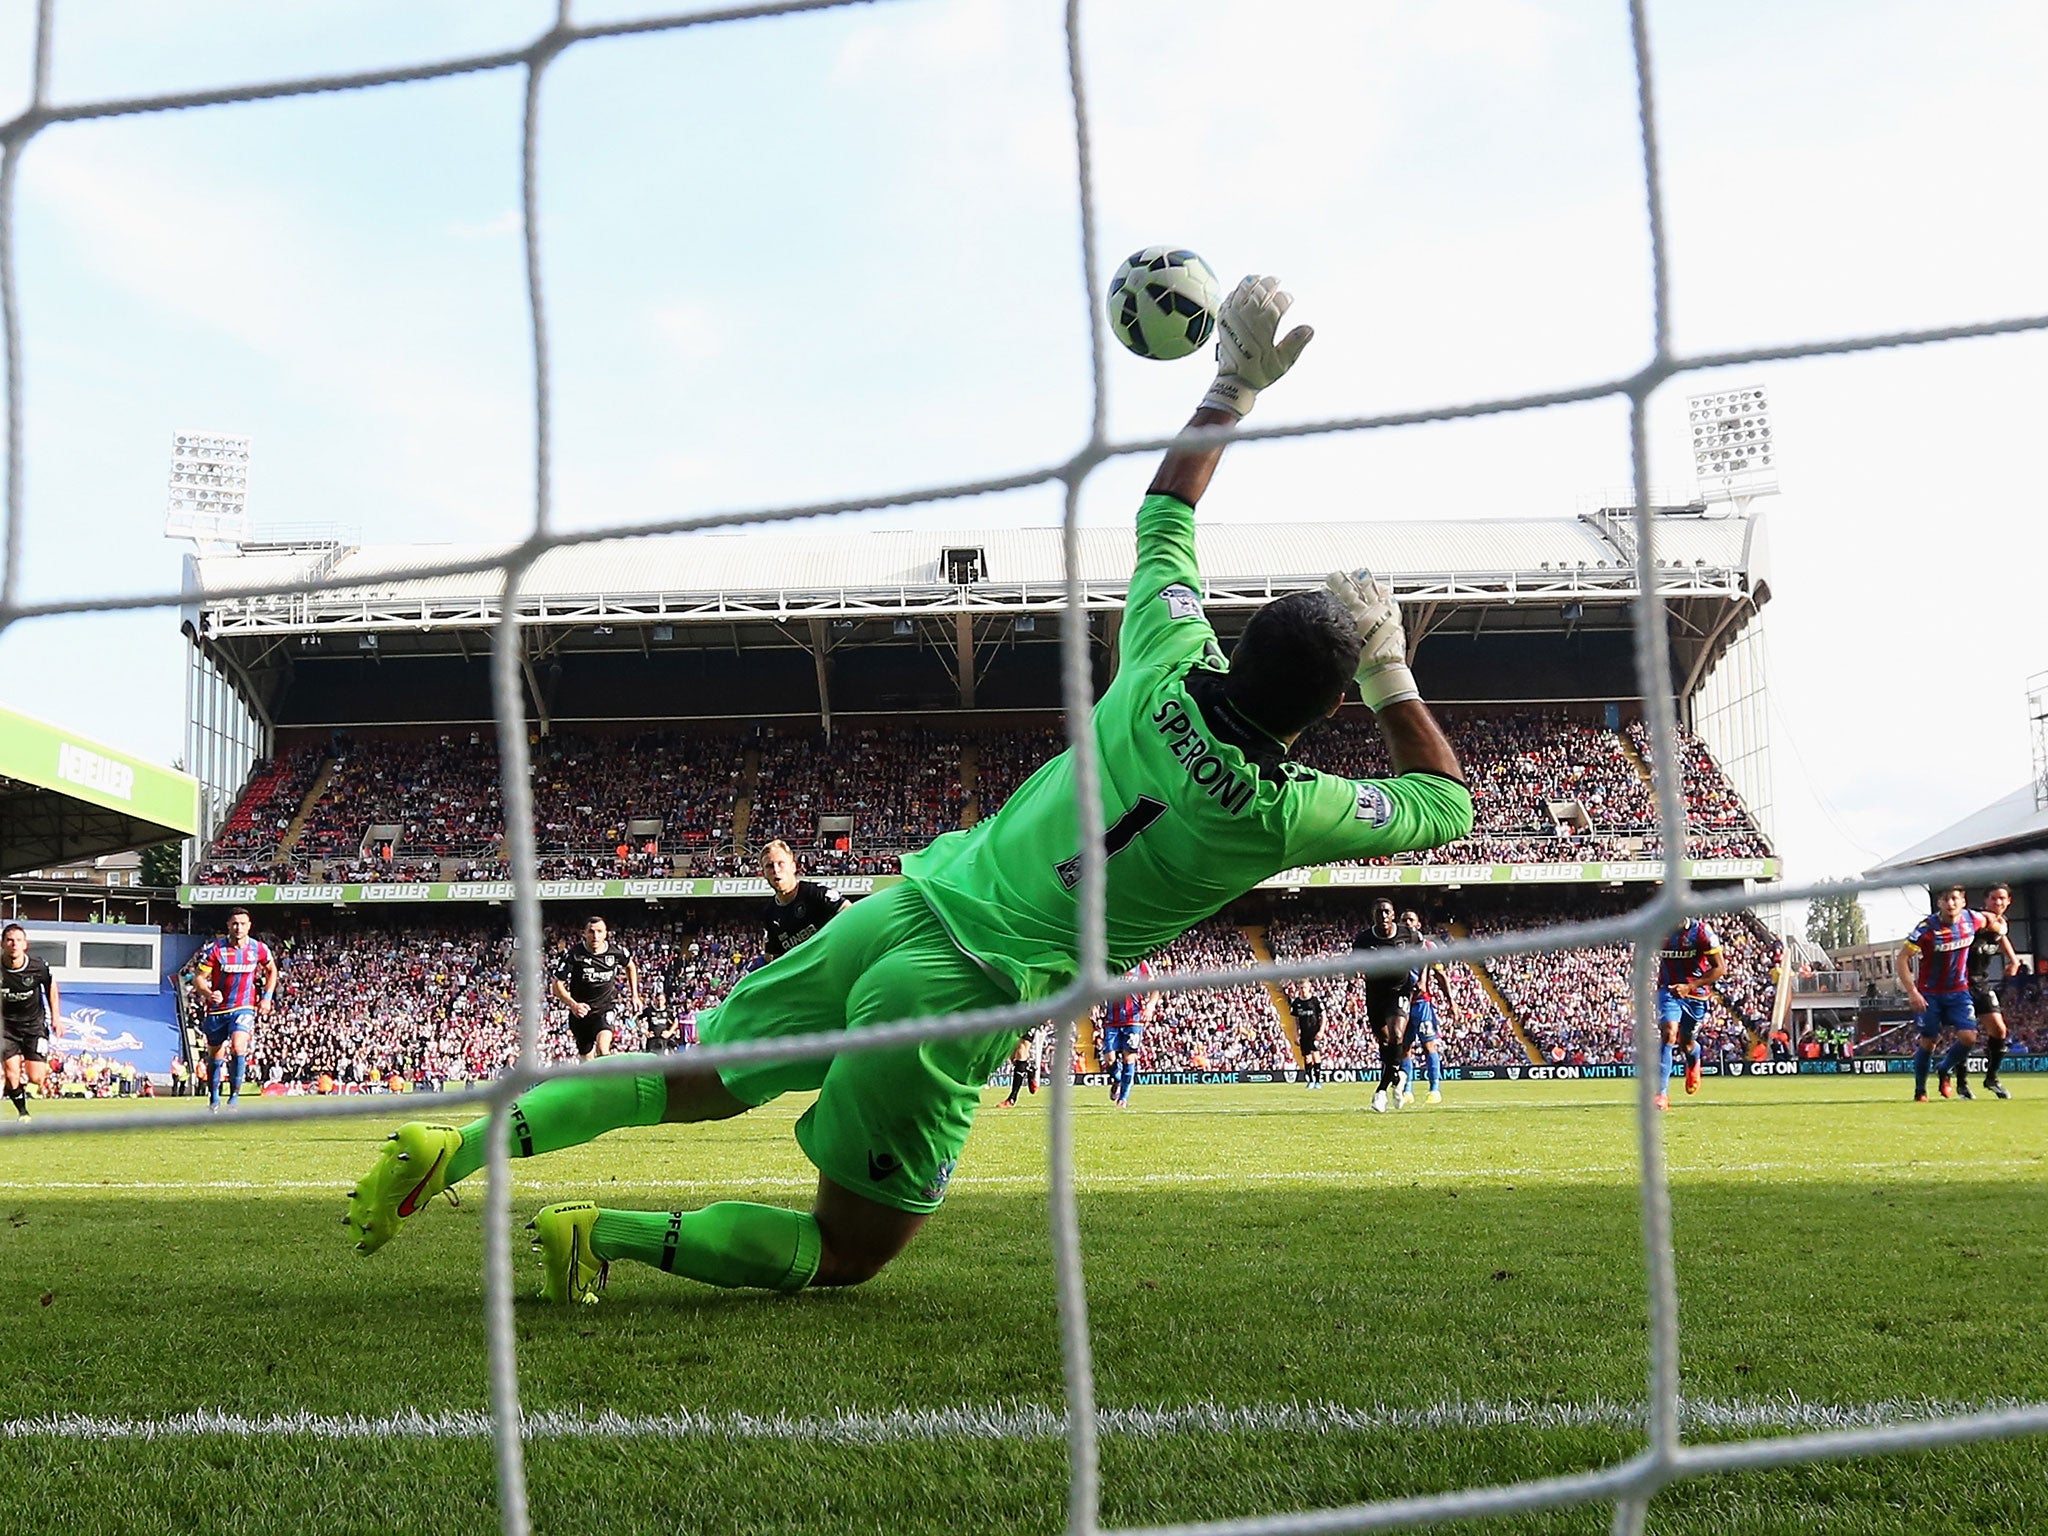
column 936, row 1190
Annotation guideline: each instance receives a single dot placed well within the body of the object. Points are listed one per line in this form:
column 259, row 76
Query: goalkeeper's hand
column 1383, row 675
column 1248, row 358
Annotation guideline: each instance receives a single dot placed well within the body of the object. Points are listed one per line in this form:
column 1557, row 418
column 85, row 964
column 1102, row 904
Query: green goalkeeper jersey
column 1200, row 804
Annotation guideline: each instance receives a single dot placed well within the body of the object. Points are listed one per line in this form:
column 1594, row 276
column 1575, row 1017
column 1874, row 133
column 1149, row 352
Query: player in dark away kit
column 800, row 907
column 587, row 980
column 1307, row 1009
column 28, row 1016
column 1386, row 1005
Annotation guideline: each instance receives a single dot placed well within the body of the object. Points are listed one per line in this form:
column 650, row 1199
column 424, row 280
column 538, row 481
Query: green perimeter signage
column 48, row 757
column 750, row 888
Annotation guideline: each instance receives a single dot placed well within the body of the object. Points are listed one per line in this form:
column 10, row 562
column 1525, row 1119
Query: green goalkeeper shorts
column 888, row 1124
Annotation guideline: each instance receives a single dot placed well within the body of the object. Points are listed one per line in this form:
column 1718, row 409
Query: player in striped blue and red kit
column 1690, row 962
column 234, row 982
column 1941, row 993
column 1431, row 983
column 1123, row 1032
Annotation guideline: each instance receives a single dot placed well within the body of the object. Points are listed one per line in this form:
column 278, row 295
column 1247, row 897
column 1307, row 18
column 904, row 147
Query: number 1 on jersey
column 1143, row 812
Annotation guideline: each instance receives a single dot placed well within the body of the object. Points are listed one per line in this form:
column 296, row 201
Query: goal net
column 1665, row 1455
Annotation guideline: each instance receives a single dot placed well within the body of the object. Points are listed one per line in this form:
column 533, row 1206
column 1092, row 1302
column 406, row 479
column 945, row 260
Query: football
column 1162, row 302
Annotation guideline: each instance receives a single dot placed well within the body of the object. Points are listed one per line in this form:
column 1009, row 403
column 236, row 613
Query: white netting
column 1629, row 1485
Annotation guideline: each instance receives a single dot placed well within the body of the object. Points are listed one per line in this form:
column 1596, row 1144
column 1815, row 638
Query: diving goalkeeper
column 1201, row 803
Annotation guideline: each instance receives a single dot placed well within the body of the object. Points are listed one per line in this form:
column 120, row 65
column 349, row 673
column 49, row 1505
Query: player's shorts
column 1309, row 1037
column 888, row 1124
column 1118, row 1038
column 586, row 1029
column 1422, row 1022
column 31, row 1042
column 219, row 1028
column 1688, row 1013
column 1984, row 1000
column 1946, row 1010
column 1384, row 1010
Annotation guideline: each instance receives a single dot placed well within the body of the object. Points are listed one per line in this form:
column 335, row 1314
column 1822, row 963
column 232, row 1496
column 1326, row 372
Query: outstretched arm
column 1184, row 472
column 1250, row 355
column 1415, row 742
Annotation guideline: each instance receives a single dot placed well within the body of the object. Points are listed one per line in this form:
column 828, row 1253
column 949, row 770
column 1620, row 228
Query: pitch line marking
column 1086, row 1180
column 1000, row 1422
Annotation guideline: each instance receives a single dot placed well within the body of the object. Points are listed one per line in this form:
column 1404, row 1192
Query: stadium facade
column 798, row 625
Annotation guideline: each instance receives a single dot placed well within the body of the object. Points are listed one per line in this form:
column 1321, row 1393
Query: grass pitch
column 1302, row 1271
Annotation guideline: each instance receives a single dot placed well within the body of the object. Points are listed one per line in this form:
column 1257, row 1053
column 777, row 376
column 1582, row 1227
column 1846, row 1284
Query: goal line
column 1011, row 1421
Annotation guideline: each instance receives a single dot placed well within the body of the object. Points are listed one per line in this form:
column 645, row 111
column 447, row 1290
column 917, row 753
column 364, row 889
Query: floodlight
column 1733, row 450
column 902, row 627
column 1026, row 624
column 209, row 488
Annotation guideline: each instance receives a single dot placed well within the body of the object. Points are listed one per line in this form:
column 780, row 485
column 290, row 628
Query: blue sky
column 836, row 254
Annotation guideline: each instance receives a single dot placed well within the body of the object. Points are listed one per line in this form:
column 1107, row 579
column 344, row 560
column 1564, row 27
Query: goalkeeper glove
column 1383, row 675
column 1247, row 356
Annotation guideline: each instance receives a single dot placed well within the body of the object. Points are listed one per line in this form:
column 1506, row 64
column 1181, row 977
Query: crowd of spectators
column 1233, row 1029
column 1710, row 800
column 434, row 1002
column 588, row 789
column 437, row 1003
column 263, row 813
column 440, row 792
column 900, row 786
column 1576, row 1004
column 1547, row 787
column 2025, row 1001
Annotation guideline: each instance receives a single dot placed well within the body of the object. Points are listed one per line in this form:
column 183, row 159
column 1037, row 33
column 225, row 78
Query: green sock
column 729, row 1244
column 551, row 1116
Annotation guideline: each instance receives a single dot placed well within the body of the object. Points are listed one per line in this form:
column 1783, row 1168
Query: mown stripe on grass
column 1012, row 1421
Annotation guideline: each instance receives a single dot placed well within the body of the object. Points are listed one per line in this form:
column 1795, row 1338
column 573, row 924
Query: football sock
column 1692, row 1054
column 1664, row 1063
column 1017, row 1076
column 1952, row 1058
column 238, row 1065
column 213, row 1079
column 551, row 1116
column 1922, row 1059
column 18, row 1097
column 729, row 1244
column 1129, row 1072
column 1434, row 1061
column 1994, row 1053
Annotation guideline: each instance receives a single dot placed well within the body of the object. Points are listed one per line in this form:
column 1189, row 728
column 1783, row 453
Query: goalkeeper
column 1201, row 803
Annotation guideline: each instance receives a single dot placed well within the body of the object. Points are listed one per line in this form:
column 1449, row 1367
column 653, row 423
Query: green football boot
column 411, row 1169
column 569, row 1272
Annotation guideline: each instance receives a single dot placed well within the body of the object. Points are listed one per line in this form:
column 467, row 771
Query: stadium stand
column 247, row 845
column 438, row 1001
column 1574, row 1004
column 1549, row 785
column 1232, row 1029
column 900, row 787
